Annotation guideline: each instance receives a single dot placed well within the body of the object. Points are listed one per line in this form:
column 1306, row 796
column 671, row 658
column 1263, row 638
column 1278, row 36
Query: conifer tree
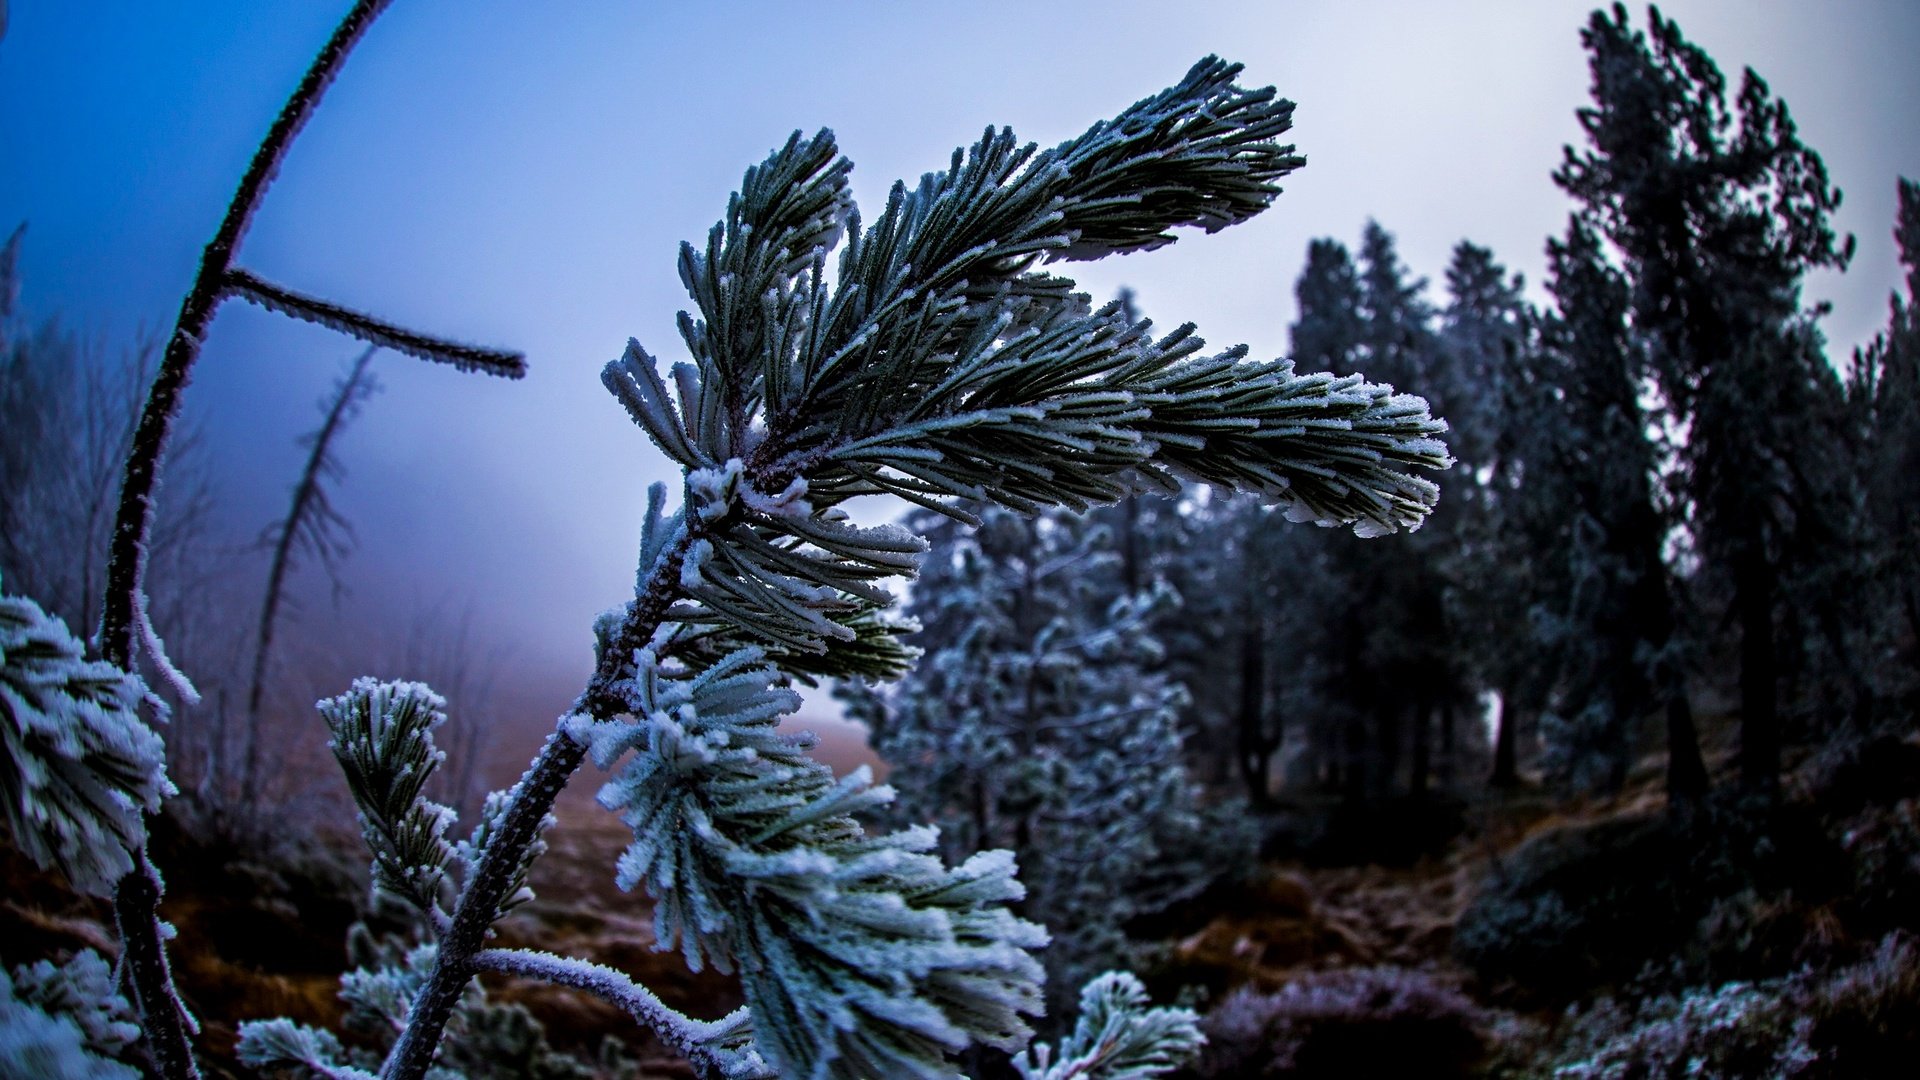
column 1717, row 213
column 1239, row 627
column 1486, row 335
column 1602, row 602
column 1392, row 663
column 1036, row 721
column 1335, row 680
column 1884, row 388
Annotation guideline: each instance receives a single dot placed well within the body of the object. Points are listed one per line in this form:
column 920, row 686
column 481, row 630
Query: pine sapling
column 939, row 363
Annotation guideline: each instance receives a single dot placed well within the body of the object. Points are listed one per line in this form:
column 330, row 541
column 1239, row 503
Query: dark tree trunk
column 1422, row 748
column 1506, row 763
column 1686, row 769
column 982, row 817
column 1759, row 694
column 1449, row 751
column 1256, row 743
column 1619, row 747
column 1355, row 765
column 1386, row 749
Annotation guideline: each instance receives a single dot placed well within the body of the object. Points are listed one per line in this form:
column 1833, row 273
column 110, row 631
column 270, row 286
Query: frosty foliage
column 1117, row 1037
column 285, row 1045
column 1382, row 1021
column 940, row 364
column 81, row 989
column 40, row 1039
column 489, row 1041
column 860, row 955
column 1859, row 1020
column 1733, row 1030
column 82, row 767
column 383, row 739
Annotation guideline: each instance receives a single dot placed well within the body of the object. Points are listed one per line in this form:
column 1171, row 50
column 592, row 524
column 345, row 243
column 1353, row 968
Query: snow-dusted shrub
column 1357, row 1022
column 1867, row 1015
column 80, row 767
column 1574, row 907
column 63, row 1021
column 1860, row 1022
column 1606, row 902
column 1736, row 1031
column 81, row 988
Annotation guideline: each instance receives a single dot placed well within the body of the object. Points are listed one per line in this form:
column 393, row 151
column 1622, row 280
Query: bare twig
column 126, row 559
column 248, row 286
column 136, row 901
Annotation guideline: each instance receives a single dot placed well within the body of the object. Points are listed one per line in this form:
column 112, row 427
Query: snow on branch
column 258, row 290
column 703, row 1042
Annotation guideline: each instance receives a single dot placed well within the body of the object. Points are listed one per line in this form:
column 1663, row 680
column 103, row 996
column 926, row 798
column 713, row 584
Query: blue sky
column 521, row 174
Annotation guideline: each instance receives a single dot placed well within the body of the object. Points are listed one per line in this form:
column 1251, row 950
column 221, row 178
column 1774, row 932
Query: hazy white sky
column 521, row 174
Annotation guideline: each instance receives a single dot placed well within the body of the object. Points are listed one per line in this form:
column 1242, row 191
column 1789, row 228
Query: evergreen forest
column 1512, row 680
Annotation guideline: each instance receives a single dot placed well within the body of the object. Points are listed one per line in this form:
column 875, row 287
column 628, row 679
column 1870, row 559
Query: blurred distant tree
column 1394, row 670
column 68, row 411
column 313, row 530
column 1486, row 337
column 1602, row 601
column 1328, row 336
column 1717, row 215
column 1884, row 389
column 1037, row 721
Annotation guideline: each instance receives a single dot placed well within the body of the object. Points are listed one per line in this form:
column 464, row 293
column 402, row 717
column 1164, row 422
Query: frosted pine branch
column 81, row 768
column 751, row 853
column 1117, row 1037
column 383, row 739
column 285, row 1044
column 700, row 1042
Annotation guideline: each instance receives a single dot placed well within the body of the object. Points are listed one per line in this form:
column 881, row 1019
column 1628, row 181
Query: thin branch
column 126, row 561
column 692, row 1039
column 249, row 286
column 143, row 958
column 136, row 902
